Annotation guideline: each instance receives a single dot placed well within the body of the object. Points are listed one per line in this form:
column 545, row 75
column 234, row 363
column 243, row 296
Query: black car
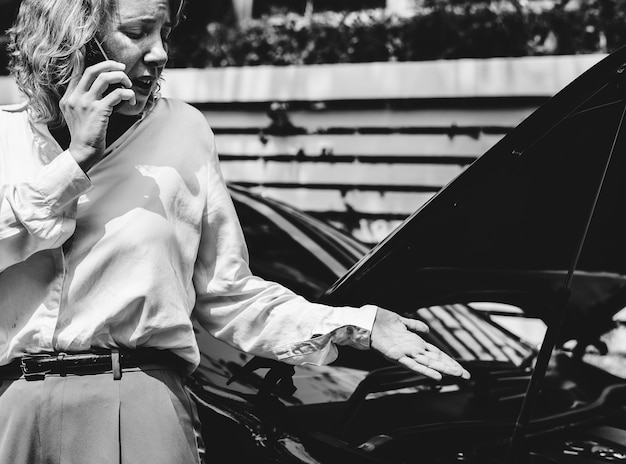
column 530, row 235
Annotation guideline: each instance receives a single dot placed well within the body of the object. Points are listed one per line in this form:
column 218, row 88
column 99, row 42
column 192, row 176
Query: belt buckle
column 31, row 372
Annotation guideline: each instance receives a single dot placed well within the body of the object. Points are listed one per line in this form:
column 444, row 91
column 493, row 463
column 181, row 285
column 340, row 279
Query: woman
column 115, row 230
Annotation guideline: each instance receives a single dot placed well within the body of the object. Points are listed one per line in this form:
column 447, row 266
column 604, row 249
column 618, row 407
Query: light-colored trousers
column 145, row 417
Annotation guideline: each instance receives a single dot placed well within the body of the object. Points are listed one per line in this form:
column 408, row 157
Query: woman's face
column 137, row 36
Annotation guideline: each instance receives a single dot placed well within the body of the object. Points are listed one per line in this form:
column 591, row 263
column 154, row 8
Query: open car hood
column 508, row 228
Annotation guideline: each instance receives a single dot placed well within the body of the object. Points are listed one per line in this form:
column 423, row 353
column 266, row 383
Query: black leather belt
column 36, row 366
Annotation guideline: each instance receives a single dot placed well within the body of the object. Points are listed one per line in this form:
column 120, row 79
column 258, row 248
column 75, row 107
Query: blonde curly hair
column 46, row 42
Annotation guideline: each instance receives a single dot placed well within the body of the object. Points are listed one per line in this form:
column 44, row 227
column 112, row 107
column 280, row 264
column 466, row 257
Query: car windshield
column 462, row 332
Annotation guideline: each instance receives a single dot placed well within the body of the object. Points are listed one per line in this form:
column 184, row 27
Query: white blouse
column 125, row 255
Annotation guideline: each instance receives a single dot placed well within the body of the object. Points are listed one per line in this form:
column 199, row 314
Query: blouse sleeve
column 40, row 214
column 257, row 316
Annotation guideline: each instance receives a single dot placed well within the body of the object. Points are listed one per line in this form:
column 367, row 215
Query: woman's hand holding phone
column 88, row 104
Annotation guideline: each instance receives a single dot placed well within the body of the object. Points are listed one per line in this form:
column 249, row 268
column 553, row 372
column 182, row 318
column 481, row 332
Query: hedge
column 442, row 30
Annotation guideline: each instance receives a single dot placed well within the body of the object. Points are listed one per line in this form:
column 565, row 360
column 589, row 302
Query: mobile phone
column 95, row 53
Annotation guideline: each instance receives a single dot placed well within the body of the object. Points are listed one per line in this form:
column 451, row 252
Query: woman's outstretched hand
column 397, row 339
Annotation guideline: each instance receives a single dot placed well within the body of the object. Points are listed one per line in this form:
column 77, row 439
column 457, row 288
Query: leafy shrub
column 439, row 30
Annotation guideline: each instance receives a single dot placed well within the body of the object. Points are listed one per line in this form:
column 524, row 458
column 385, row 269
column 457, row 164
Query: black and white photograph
column 312, row 231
